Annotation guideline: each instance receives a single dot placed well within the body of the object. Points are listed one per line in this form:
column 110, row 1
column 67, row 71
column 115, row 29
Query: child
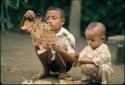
column 95, row 58
column 63, row 49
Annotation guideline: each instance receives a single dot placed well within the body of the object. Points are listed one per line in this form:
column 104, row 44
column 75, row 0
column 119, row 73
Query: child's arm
column 85, row 60
column 71, row 56
column 103, row 57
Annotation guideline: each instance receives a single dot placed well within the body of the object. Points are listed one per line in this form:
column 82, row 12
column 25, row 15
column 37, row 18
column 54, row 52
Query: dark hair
column 43, row 19
column 57, row 9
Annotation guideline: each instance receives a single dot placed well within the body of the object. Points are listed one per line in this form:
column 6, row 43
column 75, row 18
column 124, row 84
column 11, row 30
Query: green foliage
column 12, row 11
column 109, row 12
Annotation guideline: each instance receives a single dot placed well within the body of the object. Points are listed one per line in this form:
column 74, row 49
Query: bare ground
column 18, row 59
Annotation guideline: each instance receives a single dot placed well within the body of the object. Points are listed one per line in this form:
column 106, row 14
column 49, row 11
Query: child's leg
column 84, row 74
column 105, row 73
column 64, row 64
column 44, row 59
column 42, row 50
column 89, row 72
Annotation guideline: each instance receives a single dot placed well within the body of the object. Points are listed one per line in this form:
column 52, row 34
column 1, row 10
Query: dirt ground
column 18, row 59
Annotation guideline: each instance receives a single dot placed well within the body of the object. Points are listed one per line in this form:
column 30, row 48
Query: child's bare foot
column 65, row 79
column 64, row 75
column 39, row 76
column 84, row 82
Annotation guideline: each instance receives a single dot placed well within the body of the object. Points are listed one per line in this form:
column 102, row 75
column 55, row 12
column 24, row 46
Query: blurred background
column 80, row 12
column 18, row 57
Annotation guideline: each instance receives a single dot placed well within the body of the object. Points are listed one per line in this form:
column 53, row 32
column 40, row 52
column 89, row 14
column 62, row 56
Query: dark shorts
column 54, row 67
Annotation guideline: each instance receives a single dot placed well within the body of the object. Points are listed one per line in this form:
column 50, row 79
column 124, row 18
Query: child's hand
column 57, row 47
column 29, row 14
column 85, row 59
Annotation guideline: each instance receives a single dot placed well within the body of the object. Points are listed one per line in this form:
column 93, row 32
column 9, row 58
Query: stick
column 62, row 59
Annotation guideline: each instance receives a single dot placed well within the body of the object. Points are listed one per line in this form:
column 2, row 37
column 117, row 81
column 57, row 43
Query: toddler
column 95, row 58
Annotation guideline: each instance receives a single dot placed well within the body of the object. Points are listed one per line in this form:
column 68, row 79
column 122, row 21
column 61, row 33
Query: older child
column 63, row 49
column 95, row 58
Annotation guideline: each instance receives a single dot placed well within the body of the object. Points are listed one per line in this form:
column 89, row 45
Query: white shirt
column 66, row 39
column 100, row 55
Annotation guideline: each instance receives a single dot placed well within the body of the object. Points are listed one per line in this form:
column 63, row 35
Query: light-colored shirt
column 100, row 55
column 66, row 39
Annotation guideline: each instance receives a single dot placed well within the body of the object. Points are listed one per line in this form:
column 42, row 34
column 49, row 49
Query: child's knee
column 105, row 68
column 85, row 68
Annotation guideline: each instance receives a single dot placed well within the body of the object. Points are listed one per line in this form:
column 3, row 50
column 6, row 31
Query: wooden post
column 75, row 15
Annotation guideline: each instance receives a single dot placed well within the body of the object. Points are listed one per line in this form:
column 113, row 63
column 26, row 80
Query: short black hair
column 57, row 9
column 43, row 19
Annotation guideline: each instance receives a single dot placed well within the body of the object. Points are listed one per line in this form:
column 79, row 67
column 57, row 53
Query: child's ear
column 63, row 21
column 103, row 37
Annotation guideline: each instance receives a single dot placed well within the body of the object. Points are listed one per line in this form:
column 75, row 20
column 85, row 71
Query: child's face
column 54, row 19
column 94, row 39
